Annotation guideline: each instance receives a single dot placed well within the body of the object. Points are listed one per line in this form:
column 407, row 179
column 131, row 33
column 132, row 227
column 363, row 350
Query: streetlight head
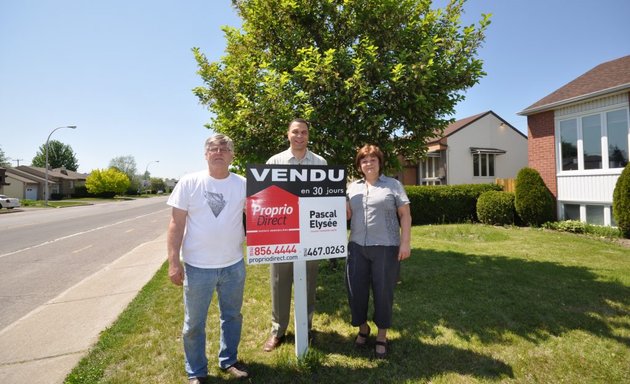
column 72, row 126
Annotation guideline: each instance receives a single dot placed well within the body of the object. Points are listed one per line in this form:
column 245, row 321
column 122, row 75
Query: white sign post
column 300, row 307
column 296, row 214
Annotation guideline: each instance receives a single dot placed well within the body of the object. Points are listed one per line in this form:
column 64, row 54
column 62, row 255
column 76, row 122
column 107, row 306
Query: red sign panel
column 273, row 217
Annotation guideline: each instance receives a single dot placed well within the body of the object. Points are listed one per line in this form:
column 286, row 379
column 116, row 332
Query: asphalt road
column 44, row 252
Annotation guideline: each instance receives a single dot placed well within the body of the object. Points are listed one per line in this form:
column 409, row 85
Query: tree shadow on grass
column 485, row 298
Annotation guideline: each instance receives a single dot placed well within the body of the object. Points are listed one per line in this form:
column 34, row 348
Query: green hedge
column 442, row 204
column 496, row 208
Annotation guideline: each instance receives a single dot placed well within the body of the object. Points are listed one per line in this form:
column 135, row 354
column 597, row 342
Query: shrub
column 533, row 202
column 56, row 196
column 573, row 226
column 81, row 191
column 496, row 208
column 576, row 226
column 107, row 182
column 439, row 204
column 621, row 202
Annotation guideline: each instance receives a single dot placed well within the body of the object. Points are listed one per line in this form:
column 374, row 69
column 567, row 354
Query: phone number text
column 332, row 250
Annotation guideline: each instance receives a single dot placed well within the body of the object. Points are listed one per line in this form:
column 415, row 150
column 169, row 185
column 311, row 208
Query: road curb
column 47, row 343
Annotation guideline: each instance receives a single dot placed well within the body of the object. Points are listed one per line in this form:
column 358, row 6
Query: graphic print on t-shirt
column 215, row 201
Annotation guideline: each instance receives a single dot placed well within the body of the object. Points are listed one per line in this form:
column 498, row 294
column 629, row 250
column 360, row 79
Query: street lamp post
column 46, row 165
column 146, row 170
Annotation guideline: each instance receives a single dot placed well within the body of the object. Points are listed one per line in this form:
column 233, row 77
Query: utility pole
column 18, row 161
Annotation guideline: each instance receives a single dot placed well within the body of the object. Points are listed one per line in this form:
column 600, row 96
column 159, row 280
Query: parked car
column 8, row 202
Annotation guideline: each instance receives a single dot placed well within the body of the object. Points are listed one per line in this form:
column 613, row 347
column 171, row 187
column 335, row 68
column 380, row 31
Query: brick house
column 476, row 149
column 579, row 138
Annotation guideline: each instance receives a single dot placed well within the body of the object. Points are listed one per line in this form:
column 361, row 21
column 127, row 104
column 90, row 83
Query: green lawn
column 476, row 304
column 75, row 202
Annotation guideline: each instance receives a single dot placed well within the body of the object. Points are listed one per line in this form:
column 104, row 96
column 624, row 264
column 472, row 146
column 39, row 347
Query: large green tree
column 388, row 72
column 59, row 155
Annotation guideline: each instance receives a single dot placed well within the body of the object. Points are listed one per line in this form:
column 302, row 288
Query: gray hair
column 219, row 139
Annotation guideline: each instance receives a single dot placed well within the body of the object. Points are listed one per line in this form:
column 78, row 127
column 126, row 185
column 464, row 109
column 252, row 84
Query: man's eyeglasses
column 219, row 149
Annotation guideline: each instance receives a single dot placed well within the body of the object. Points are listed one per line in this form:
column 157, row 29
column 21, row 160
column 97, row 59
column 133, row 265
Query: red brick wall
column 541, row 148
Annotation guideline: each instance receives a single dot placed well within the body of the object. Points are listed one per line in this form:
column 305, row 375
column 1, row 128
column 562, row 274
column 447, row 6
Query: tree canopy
column 59, row 155
column 386, row 72
column 107, row 182
column 126, row 165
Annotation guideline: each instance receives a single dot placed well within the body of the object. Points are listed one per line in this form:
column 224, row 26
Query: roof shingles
column 610, row 75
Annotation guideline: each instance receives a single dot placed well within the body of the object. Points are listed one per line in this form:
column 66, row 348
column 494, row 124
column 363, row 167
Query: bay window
column 585, row 142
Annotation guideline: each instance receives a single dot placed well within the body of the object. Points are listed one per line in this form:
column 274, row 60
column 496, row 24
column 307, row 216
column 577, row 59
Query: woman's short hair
column 369, row 150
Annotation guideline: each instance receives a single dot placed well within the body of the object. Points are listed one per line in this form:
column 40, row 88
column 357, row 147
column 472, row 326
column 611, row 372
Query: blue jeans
column 199, row 285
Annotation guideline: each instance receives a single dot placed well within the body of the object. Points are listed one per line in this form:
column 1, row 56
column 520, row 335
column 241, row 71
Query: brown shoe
column 272, row 343
column 237, row 370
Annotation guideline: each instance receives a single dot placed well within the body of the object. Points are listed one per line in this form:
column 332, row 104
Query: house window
column 483, row 164
column 591, row 214
column 585, row 142
column 595, row 214
column 430, row 170
column 571, row 212
column 429, row 167
column 568, row 148
column 592, row 141
column 617, row 127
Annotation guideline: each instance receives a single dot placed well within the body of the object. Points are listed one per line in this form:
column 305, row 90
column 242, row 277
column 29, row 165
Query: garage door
column 31, row 193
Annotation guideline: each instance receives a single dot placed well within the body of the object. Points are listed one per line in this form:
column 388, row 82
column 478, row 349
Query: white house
column 474, row 150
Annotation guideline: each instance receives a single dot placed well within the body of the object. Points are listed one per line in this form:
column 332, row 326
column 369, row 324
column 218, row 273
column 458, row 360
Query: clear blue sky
column 122, row 70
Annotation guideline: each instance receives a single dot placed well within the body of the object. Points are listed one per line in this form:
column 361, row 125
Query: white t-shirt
column 214, row 226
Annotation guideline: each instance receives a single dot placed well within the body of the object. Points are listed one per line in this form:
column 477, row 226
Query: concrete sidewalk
column 44, row 346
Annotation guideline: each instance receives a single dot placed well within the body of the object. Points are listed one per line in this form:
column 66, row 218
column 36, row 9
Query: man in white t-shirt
column 206, row 231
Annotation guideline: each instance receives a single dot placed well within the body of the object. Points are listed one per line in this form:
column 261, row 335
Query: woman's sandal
column 377, row 354
column 364, row 336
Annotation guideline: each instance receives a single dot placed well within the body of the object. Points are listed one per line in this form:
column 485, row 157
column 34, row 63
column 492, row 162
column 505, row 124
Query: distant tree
column 125, row 164
column 387, row 72
column 107, row 182
column 4, row 161
column 157, row 184
column 59, row 155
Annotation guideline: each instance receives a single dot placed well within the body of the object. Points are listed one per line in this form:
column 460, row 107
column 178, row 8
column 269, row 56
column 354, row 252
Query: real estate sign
column 295, row 213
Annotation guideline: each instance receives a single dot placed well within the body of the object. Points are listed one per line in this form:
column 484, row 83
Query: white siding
column 621, row 99
column 587, row 188
column 485, row 133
